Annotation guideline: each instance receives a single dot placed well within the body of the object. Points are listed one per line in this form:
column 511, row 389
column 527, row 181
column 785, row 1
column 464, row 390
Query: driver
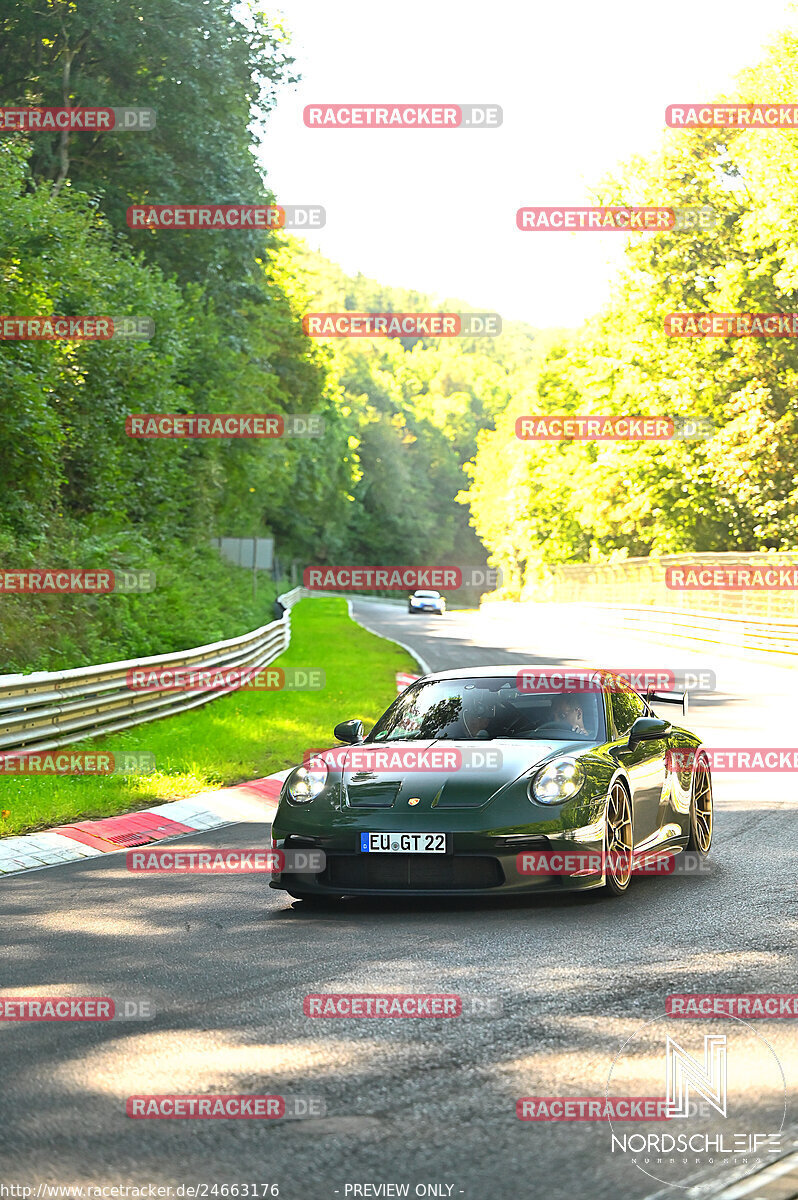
column 567, row 710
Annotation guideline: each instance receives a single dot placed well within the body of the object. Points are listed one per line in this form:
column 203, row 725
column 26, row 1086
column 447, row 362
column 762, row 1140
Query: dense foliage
column 400, row 418
column 411, row 425
column 738, row 490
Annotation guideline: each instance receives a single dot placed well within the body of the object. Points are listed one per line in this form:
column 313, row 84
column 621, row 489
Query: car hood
column 443, row 774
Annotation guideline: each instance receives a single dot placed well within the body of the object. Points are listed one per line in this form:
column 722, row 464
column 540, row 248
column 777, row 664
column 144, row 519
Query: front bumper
column 477, row 865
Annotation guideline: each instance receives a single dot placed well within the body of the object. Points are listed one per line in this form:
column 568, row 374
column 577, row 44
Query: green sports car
column 475, row 782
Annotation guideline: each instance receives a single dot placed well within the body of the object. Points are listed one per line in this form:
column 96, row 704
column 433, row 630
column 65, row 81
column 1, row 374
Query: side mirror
column 350, row 732
column 648, row 729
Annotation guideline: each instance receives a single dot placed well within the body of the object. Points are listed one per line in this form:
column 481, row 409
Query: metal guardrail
column 49, row 709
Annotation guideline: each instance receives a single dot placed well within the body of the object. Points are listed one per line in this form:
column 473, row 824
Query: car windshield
column 427, row 595
column 479, row 708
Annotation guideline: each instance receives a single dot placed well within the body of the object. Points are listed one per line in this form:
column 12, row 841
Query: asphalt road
column 227, row 962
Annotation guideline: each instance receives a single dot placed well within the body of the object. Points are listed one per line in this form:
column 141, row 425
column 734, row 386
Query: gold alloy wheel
column 701, row 808
column 619, row 839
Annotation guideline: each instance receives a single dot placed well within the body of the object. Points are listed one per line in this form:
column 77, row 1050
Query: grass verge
column 245, row 735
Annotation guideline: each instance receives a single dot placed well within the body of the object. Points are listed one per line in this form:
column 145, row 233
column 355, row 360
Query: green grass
column 242, row 736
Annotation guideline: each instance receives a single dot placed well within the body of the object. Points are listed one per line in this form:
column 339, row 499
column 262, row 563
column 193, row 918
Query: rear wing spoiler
column 682, row 698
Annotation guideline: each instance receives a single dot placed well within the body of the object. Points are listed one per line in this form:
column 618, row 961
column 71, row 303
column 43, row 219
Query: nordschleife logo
column 723, row 1093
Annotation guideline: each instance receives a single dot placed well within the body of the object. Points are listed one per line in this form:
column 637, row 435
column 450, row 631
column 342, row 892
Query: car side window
column 626, row 708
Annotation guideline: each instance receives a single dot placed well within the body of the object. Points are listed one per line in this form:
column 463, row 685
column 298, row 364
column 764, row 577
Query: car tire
column 701, row 809
column 618, row 841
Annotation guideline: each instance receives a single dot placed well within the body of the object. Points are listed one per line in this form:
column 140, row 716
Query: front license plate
column 403, row 843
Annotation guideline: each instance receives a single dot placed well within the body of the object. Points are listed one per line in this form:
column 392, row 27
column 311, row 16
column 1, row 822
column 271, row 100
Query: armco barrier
column 54, row 708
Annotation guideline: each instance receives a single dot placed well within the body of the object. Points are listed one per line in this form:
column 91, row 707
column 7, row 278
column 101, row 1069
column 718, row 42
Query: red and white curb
column 255, row 802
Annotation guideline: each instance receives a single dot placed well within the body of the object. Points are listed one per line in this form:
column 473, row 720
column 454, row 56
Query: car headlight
column 304, row 784
column 558, row 781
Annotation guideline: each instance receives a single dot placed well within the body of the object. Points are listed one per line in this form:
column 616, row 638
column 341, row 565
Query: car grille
column 393, row 872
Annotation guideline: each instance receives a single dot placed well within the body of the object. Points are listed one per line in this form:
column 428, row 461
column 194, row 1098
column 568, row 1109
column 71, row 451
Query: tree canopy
column 537, row 504
column 411, row 425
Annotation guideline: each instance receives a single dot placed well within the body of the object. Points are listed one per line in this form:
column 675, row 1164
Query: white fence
column 762, row 639
column 737, row 634
column 634, row 582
